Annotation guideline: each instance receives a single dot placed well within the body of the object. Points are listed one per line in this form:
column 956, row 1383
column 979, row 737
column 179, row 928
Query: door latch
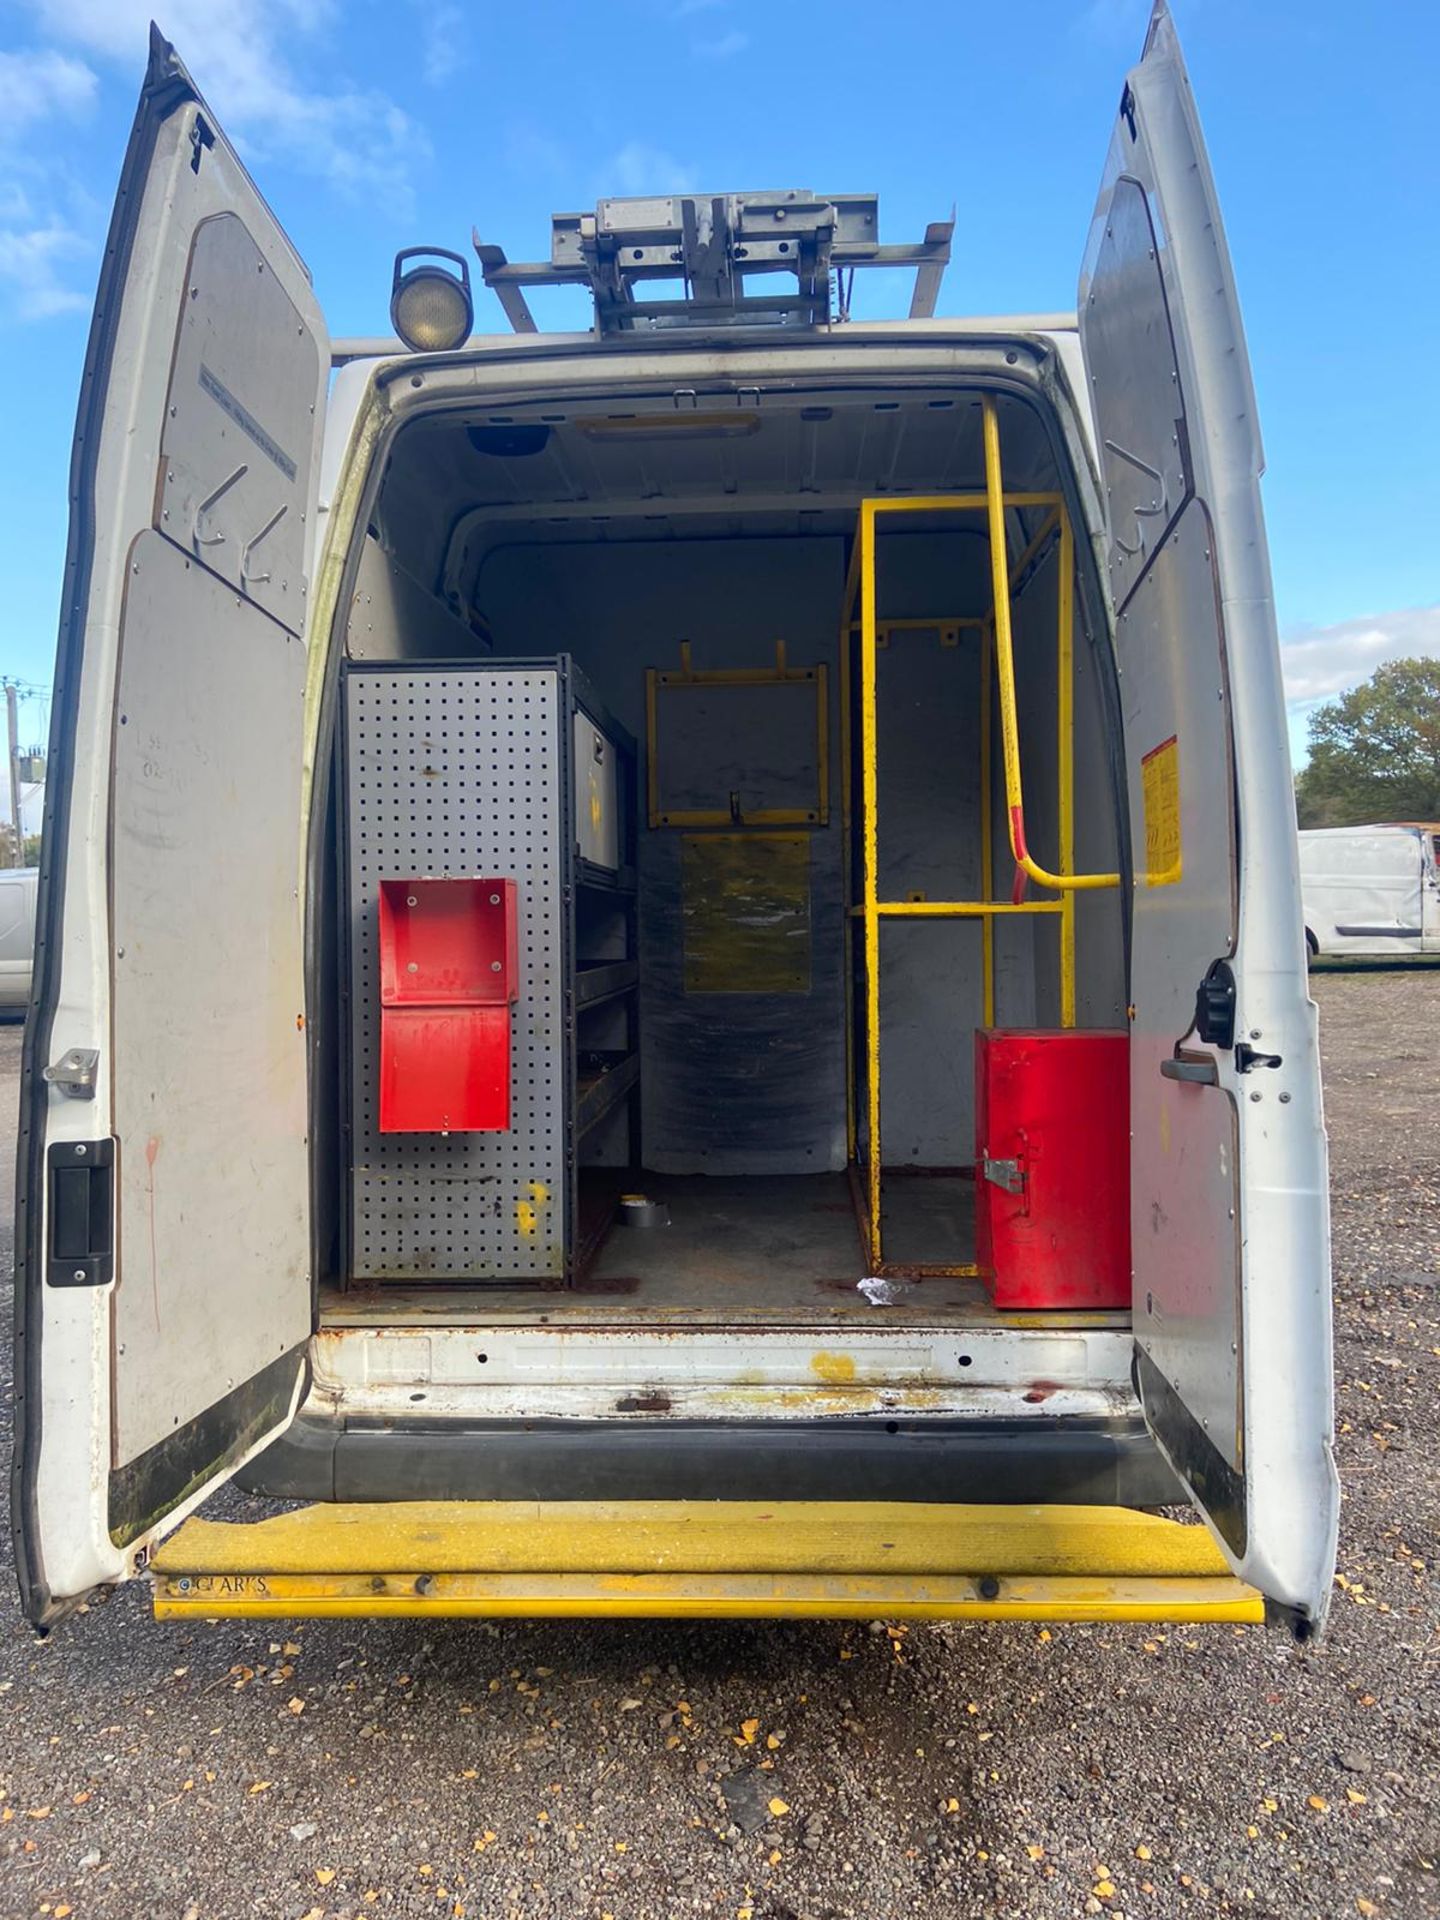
column 81, row 1249
column 1215, row 1007
column 1008, row 1175
column 74, row 1073
column 1215, row 1025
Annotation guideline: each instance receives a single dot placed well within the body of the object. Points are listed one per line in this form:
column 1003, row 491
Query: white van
column 669, row 975
column 1370, row 890
column 17, row 936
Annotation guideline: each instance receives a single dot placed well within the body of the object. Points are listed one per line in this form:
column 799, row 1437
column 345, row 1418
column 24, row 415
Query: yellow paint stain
column 836, row 1368
column 525, row 1218
column 539, row 1192
column 597, row 810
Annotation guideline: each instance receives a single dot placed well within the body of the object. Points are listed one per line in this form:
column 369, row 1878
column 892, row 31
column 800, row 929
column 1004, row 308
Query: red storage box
column 1052, row 1167
column 449, row 975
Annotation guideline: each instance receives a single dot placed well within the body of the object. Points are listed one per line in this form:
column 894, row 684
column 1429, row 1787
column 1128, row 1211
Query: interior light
column 636, row 427
column 430, row 307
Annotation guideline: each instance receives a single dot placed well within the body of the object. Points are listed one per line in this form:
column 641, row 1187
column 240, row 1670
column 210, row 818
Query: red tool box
column 1052, row 1167
column 449, row 975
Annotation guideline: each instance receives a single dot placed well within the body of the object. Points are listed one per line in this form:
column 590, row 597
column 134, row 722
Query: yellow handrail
column 997, row 667
column 1005, row 676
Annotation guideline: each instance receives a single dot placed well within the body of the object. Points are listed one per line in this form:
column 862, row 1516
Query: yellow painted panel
column 745, row 912
column 1160, row 789
column 745, row 1538
column 695, row 1596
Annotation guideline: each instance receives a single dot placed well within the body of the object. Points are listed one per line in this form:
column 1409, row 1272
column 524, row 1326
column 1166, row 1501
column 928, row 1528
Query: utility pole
column 13, row 728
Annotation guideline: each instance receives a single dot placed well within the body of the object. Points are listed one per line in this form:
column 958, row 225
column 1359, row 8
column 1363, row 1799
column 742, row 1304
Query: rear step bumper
column 1111, row 1462
column 712, row 1559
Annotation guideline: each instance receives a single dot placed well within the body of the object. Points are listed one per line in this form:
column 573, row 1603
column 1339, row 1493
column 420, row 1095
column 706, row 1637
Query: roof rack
column 714, row 244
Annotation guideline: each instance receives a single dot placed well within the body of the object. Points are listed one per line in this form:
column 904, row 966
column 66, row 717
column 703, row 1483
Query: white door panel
column 1229, row 1223
column 236, row 481
column 207, row 1099
column 1173, row 690
column 1130, row 356
column 167, row 1162
column 1185, row 1171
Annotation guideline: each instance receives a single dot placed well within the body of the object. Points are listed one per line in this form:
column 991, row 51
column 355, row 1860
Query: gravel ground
column 803, row 1772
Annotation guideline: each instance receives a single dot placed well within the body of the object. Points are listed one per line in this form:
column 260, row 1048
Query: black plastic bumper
column 1109, row 1462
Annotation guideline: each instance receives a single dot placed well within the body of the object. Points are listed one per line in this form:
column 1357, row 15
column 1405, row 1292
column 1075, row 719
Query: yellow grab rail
column 1005, row 673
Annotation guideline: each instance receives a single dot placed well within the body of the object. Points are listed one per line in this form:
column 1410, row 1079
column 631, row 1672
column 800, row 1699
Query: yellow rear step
column 701, row 1559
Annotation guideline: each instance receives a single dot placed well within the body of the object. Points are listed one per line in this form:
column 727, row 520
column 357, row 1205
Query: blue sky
column 385, row 123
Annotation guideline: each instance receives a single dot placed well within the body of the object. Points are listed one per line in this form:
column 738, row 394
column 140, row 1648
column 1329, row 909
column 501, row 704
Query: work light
column 430, row 307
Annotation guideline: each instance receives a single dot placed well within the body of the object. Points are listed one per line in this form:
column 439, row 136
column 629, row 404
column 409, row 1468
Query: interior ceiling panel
column 461, row 483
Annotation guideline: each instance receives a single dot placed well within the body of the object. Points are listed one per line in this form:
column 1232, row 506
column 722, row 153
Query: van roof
column 969, row 326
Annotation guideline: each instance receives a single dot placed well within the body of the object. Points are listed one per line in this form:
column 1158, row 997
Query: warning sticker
column 1160, row 788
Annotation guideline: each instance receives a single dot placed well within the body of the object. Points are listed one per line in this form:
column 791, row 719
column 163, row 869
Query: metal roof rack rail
column 713, row 245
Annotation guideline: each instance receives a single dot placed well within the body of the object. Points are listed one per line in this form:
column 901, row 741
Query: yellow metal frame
column 781, row 674
column 996, row 501
column 997, row 686
column 702, row 1559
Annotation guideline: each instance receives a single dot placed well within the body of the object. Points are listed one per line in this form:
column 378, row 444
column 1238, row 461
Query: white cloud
column 442, row 42
column 354, row 138
column 34, row 257
column 46, row 222
column 638, row 169
column 1320, row 662
column 724, row 48
column 36, row 86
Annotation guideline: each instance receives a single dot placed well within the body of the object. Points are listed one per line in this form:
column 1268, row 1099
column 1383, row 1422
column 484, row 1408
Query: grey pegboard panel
column 451, row 773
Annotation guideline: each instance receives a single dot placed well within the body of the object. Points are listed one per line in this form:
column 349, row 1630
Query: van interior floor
column 782, row 1250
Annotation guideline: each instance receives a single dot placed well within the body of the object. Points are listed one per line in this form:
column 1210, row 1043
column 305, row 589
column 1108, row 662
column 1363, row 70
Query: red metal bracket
column 449, row 975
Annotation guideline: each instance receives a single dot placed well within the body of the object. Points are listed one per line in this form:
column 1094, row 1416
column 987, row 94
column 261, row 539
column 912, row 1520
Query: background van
column 1370, row 890
column 17, row 935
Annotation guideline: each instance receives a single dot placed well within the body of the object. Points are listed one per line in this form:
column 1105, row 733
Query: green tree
column 1375, row 752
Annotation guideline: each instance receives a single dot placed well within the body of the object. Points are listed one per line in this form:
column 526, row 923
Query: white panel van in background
column 1370, row 890
column 686, row 724
column 17, row 936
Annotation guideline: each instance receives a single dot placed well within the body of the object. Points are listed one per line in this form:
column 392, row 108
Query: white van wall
column 1369, row 891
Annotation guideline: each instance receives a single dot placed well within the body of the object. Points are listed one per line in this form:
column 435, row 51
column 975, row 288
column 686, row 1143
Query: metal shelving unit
column 502, row 769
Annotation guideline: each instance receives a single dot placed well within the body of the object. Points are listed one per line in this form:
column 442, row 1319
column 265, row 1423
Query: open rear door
column 1230, row 1224
column 163, row 1241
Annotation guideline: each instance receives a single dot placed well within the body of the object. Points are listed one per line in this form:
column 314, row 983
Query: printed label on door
column 1160, row 789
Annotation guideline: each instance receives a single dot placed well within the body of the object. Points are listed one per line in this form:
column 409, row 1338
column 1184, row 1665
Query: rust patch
column 643, row 1403
column 1042, row 1390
